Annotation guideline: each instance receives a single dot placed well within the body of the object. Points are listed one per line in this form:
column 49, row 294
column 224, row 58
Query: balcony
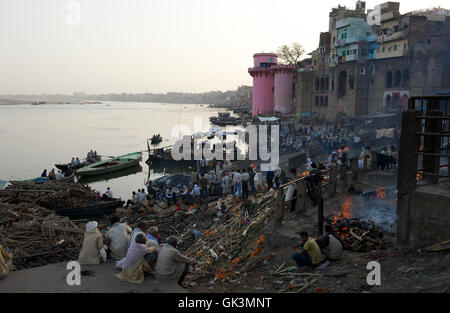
column 391, row 37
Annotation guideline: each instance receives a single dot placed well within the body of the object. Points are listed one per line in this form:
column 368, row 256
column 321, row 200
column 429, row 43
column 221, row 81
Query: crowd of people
column 137, row 252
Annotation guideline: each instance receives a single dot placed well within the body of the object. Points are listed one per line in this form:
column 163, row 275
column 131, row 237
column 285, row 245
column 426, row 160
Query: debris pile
column 51, row 195
column 36, row 236
column 358, row 235
column 231, row 243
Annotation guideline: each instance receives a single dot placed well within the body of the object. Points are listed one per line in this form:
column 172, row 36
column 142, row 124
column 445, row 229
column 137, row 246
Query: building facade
column 374, row 62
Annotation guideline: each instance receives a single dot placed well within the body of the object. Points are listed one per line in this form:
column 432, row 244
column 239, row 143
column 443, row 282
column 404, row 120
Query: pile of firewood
column 51, row 195
column 36, row 236
column 358, row 235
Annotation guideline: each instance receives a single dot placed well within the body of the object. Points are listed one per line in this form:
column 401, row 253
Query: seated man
column 117, row 238
column 92, row 243
column 330, row 244
column 136, row 264
column 108, row 193
column 153, row 241
column 310, row 255
column 171, row 265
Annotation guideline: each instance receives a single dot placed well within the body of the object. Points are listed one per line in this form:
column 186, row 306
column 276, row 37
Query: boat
column 224, row 119
column 128, row 171
column 100, row 208
column 40, row 180
column 111, row 165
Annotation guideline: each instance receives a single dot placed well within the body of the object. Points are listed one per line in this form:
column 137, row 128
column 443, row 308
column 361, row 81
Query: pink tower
column 263, row 83
column 283, row 88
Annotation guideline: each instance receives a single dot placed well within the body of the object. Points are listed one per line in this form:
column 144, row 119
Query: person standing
column 237, row 180
column 252, row 175
column 245, row 180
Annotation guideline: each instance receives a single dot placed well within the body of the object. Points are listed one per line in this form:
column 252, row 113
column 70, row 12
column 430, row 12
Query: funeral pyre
column 32, row 231
column 358, row 235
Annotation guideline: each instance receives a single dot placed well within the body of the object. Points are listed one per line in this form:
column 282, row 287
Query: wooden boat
column 224, row 118
column 128, row 171
column 102, row 207
column 40, row 180
column 111, row 165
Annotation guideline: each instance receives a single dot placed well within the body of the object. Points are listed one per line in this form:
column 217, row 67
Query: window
column 383, row 49
column 389, row 79
column 395, row 47
column 397, row 79
column 327, row 83
column 317, row 101
column 372, row 69
column 404, row 45
column 342, row 84
column 321, row 101
column 326, row 101
column 317, row 84
column 405, row 80
column 351, row 81
column 362, row 71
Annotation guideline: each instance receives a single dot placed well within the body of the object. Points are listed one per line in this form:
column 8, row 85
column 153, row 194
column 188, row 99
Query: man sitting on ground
column 171, row 265
column 310, row 255
column 330, row 244
column 137, row 260
column 117, row 238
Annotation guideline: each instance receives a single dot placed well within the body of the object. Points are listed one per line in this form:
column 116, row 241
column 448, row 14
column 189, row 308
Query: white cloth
column 119, row 235
column 289, row 193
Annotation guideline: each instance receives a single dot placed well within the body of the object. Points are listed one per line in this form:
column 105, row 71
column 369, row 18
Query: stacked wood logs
column 358, row 235
column 36, row 236
column 51, row 195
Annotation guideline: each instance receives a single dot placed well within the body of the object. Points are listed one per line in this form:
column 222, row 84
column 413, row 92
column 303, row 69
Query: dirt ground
column 401, row 270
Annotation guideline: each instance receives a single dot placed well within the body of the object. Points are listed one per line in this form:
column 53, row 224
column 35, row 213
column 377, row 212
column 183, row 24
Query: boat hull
column 103, row 207
column 101, row 168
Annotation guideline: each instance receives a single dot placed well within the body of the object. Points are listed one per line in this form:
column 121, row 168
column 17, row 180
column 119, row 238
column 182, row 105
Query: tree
column 290, row 55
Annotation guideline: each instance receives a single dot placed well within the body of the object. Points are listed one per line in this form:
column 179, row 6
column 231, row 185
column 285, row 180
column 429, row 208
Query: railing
column 334, row 173
column 424, row 144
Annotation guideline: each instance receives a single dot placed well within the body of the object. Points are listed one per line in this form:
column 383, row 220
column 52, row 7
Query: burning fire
column 346, row 210
column 304, row 174
column 419, row 176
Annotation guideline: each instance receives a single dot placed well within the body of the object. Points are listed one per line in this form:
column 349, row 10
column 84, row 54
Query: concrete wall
column 427, row 217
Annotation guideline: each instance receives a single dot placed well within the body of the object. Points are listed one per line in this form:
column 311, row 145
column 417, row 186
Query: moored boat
column 111, row 165
column 100, row 208
column 39, row 180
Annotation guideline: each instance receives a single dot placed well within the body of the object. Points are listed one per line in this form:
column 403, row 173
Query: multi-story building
column 377, row 61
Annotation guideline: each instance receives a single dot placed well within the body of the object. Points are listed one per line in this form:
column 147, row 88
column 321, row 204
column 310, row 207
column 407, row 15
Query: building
column 374, row 62
column 272, row 85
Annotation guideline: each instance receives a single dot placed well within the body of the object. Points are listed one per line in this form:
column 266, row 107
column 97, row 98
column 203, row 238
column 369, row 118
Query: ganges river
column 35, row 137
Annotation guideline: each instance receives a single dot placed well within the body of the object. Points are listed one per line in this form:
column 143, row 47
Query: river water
column 35, row 137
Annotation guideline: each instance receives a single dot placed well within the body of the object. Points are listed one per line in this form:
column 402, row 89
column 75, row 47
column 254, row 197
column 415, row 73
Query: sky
column 154, row 46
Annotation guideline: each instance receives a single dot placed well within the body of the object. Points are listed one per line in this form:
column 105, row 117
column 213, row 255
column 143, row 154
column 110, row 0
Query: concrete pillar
column 406, row 174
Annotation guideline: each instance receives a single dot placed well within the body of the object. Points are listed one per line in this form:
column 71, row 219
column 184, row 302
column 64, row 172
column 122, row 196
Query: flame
column 304, row 173
column 346, row 209
column 419, row 176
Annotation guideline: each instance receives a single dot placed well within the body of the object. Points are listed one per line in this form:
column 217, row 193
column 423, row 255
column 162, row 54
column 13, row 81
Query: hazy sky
column 152, row 45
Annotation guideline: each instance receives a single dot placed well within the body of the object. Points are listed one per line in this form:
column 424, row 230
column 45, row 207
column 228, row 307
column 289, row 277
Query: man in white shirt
column 245, row 180
column 237, row 179
column 225, row 185
column 108, row 193
column 117, row 238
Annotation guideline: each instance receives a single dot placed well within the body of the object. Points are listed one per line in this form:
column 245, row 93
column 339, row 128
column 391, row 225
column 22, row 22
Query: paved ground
column 52, row 278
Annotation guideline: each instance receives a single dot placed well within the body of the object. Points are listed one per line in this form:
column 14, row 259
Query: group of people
column 315, row 252
column 52, row 175
column 137, row 251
